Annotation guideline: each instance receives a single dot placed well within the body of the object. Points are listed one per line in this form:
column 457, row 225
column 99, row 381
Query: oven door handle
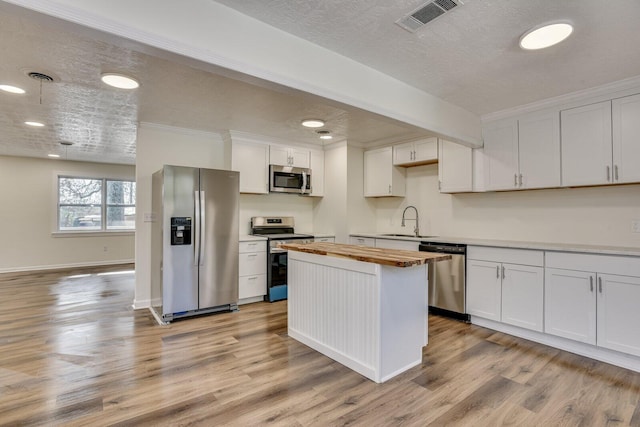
column 277, row 250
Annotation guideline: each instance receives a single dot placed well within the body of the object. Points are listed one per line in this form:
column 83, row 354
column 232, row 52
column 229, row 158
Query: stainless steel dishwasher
column 447, row 280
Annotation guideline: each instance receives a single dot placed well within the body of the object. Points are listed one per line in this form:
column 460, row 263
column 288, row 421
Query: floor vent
column 426, row 13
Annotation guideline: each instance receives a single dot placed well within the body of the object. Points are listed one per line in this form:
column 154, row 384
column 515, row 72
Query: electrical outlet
column 105, row 249
column 635, row 225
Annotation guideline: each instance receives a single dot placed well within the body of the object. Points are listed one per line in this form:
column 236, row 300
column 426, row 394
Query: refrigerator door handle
column 196, row 229
column 202, row 230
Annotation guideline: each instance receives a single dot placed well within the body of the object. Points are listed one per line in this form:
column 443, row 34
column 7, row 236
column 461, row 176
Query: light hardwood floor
column 74, row 352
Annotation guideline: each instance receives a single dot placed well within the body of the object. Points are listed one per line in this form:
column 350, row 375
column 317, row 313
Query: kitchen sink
column 404, row 235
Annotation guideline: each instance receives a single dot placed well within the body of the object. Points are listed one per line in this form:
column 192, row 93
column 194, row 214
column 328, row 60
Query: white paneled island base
column 371, row 318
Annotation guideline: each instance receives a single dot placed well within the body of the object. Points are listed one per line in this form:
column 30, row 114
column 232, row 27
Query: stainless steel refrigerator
column 194, row 241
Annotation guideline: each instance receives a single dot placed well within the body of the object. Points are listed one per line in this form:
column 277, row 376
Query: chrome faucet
column 416, row 230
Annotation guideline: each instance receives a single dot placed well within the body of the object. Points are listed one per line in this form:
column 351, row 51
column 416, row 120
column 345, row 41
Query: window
column 83, row 203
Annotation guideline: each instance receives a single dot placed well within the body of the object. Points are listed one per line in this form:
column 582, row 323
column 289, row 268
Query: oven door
column 277, row 275
column 286, row 179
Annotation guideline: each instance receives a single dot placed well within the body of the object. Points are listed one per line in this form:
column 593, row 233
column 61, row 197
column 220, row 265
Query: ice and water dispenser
column 181, row 230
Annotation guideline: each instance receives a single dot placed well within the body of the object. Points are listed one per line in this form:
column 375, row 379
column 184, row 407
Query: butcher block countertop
column 391, row 257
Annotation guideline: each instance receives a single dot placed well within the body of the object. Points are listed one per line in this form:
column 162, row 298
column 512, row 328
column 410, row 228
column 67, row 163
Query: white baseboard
column 65, row 266
column 598, row 353
column 140, row 304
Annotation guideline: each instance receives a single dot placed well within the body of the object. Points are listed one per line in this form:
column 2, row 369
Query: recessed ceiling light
column 324, row 134
column 545, row 35
column 12, row 89
column 55, row 156
column 312, row 123
column 119, row 80
column 34, row 124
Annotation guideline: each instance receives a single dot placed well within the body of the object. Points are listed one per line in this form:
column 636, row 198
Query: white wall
column 28, row 217
column 299, row 207
column 597, row 215
column 156, row 146
column 330, row 212
column 343, row 210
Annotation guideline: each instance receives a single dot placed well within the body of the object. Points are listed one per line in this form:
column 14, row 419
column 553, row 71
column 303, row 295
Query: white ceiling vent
column 426, row 13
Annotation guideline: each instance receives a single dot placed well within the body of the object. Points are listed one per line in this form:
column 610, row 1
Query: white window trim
column 84, row 174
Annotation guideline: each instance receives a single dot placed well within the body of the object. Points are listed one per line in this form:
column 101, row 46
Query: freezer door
column 179, row 263
column 220, row 193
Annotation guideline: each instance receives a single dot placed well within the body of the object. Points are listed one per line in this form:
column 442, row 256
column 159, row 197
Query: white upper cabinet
column 626, row 139
column 523, row 153
column 455, row 167
column 539, row 150
column 381, row 177
column 414, row 153
column 252, row 161
column 501, row 155
column 317, row 173
column 586, row 145
column 289, row 156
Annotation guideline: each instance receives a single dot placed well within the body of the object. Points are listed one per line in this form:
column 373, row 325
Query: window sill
column 113, row 233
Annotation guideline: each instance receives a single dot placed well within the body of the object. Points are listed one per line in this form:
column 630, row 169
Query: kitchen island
column 363, row 307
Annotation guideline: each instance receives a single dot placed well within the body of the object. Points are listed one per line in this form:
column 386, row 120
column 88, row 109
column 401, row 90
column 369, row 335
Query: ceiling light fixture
column 312, row 123
column 34, row 124
column 324, row 134
column 12, row 89
column 54, row 156
column 119, row 80
column 66, row 145
column 545, row 35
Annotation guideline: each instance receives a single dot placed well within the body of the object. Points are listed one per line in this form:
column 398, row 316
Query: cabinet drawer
column 252, row 263
column 325, row 239
column 252, row 286
column 511, row 256
column 253, row 246
column 362, row 241
column 397, row 244
column 612, row 264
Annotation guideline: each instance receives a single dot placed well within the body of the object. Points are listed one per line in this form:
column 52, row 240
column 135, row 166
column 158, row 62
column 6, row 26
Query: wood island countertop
column 383, row 256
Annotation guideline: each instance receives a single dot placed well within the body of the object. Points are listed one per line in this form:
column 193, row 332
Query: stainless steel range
column 277, row 230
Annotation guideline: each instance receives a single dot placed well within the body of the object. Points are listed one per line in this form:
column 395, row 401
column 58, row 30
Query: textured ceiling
column 101, row 122
column 470, row 55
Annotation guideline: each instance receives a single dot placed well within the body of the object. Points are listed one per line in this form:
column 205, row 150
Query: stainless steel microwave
column 287, row 179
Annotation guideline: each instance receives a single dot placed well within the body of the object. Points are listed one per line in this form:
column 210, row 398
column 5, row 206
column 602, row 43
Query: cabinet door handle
column 520, row 180
column 600, row 284
column 439, row 185
column 591, row 283
column 503, row 271
column 515, row 179
column 615, row 171
column 497, row 271
column 608, row 173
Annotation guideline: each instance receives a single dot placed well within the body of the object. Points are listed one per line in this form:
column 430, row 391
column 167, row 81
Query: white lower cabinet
column 618, row 313
column 252, row 268
column 570, row 304
column 594, row 308
column 484, row 289
column 522, row 296
column 506, row 285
